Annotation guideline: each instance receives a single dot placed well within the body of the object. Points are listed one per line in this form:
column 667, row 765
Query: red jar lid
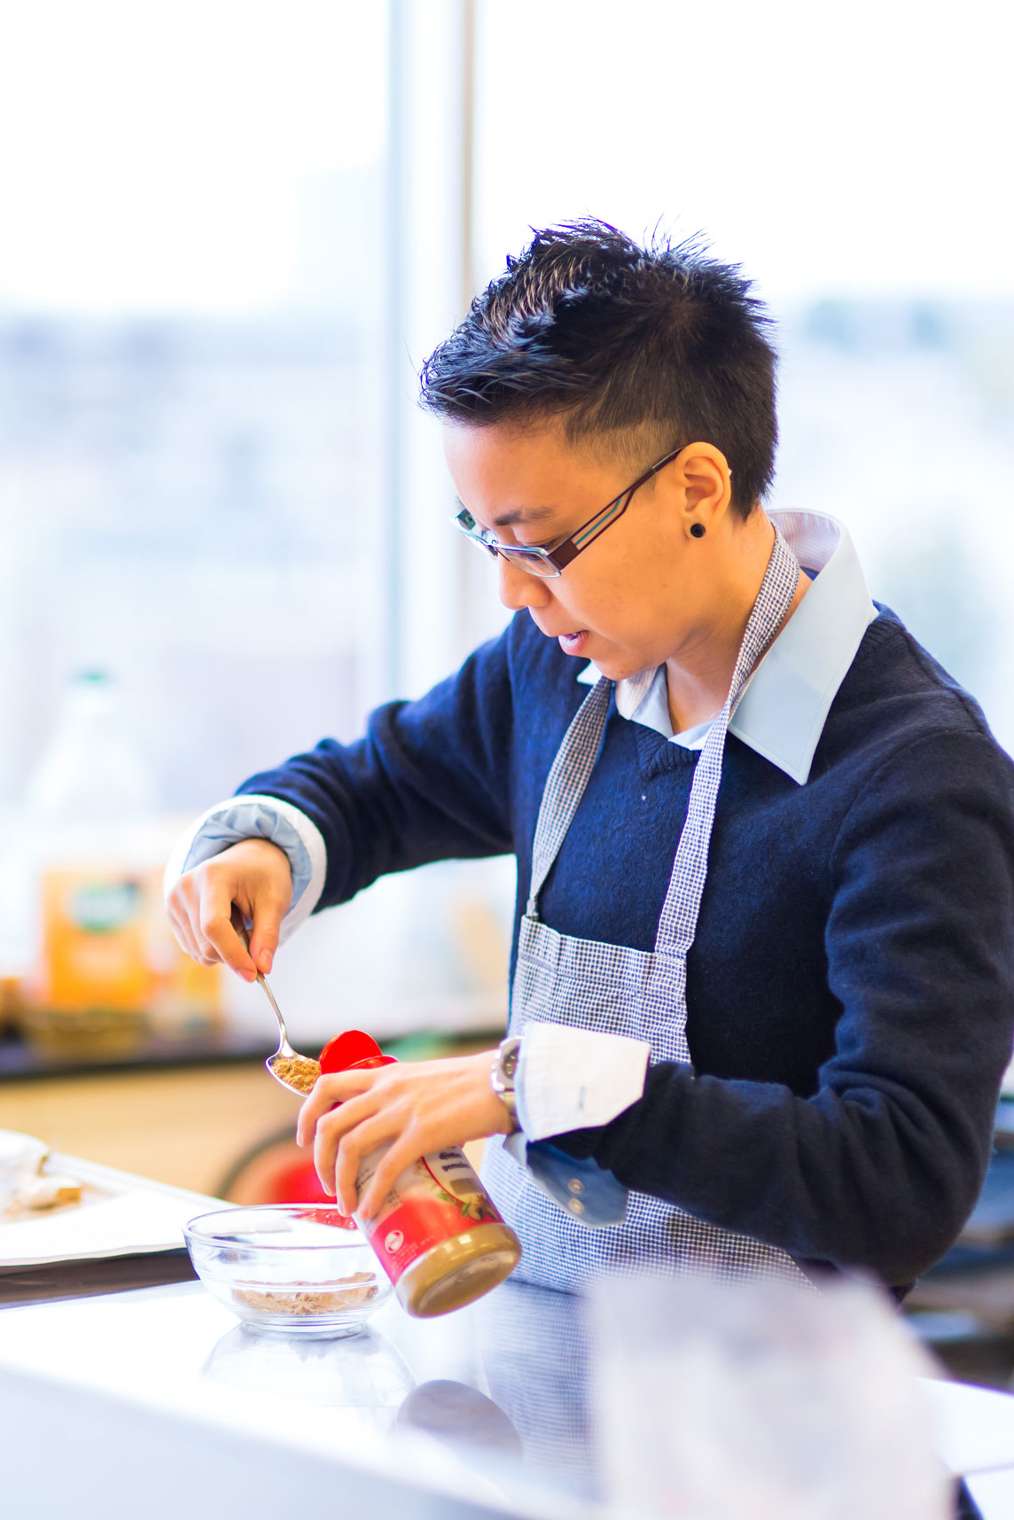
column 352, row 1048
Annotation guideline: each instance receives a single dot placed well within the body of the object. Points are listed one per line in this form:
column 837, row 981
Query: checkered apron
column 616, row 990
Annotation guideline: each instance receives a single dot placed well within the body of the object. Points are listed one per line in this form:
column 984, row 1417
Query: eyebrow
column 523, row 514
column 516, row 514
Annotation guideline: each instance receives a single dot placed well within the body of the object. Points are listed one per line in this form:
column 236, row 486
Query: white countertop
column 158, row 1392
column 410, row 1408
column 482, row 1412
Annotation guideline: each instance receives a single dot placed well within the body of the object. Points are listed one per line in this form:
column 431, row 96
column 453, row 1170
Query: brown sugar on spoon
column 295, row 1071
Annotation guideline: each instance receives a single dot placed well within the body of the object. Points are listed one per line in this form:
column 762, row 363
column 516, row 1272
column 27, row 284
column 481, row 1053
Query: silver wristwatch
column 503, row 1073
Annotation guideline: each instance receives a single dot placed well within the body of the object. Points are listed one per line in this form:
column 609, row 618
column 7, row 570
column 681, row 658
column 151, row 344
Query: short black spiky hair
column 639, row 348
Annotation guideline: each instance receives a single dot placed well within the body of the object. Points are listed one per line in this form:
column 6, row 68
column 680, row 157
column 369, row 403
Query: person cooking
column 762, row 969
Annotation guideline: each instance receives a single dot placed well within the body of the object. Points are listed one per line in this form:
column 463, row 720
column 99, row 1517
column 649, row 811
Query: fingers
column 253, row 877
column 218, row 933
column 327, row 1091
column 267, row 923
column 396, row 1159
column 265, row 885
column 334, row 1131
column 185, row 939
column 357, row 1144
column 268, row 910
column 344, row 1135
column 200, row 908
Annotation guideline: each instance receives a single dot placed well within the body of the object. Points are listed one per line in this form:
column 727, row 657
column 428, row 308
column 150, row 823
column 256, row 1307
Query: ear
column 705, row 482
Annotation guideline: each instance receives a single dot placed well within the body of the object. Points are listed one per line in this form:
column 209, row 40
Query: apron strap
column 678, row 922
column 568, row 777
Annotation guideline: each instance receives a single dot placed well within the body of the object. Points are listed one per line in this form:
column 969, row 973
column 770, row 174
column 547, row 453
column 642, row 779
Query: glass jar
column 438, row 1234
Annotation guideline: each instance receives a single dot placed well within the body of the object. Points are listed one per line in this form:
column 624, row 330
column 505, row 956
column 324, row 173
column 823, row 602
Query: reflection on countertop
column 363, row 1372
column 500, row 1386
column 489, row 1402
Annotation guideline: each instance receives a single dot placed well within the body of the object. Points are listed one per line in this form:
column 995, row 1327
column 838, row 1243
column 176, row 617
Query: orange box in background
column 108, row 972
column 94, row 950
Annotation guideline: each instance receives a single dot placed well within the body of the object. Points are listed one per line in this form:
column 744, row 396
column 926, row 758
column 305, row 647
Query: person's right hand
column 256, row 878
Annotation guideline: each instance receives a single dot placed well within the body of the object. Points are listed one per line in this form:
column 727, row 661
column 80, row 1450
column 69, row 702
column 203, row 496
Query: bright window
column 190, row 376
column 854, row 166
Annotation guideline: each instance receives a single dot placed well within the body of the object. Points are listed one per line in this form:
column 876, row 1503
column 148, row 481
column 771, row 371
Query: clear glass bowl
column 289, row 1268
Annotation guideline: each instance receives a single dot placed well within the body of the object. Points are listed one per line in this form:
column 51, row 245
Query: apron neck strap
column 678, row 922
column 576, row 757
column 568, row 777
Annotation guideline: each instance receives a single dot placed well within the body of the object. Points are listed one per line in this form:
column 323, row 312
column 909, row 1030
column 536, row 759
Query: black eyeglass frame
column 548, row 564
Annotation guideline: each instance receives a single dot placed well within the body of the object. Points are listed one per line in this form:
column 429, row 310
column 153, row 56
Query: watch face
column 509, row 1060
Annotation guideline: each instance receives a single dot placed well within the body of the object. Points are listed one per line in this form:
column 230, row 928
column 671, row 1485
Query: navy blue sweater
column 851, row 986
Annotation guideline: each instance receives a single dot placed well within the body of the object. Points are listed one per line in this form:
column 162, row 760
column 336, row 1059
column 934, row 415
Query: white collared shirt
column 784, row 707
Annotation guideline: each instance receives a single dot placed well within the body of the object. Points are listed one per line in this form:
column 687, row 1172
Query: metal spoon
column 296, row 1072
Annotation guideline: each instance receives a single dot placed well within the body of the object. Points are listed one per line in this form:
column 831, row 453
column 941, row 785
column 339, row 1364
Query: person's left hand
column 420, row 1106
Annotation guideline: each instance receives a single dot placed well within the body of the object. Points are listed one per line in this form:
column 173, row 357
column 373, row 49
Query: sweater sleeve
column 881, row 1165
column 429, row 780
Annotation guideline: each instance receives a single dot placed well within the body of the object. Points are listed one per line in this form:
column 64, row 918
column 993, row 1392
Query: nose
column 517, row 589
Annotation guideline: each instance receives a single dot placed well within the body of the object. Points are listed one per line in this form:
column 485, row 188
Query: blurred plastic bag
column 760, row 1400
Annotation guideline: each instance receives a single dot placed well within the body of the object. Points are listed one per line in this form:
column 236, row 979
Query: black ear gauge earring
column 697, row 530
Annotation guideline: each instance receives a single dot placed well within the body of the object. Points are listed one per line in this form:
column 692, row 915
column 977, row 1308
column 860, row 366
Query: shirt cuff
column 258, row 817
column 591, row 1195
column 572, row 1078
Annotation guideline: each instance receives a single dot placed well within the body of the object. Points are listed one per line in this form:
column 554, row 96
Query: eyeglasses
column 550, row 563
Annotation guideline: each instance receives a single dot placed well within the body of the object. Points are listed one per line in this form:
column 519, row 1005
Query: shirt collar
column 782, row 712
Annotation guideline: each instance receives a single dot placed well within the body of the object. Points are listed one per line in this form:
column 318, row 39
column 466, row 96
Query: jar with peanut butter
column 438, row 1234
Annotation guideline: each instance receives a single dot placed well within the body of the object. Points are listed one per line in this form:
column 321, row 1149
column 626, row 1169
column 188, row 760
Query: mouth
column 573, row 643
column 570, row 643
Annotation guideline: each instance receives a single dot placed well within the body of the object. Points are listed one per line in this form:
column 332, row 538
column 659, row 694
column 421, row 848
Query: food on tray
column 24, row 1186
column 49, row 1192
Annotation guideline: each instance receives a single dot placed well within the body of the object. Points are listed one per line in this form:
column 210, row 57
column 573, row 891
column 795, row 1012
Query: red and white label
column 435, row 1199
